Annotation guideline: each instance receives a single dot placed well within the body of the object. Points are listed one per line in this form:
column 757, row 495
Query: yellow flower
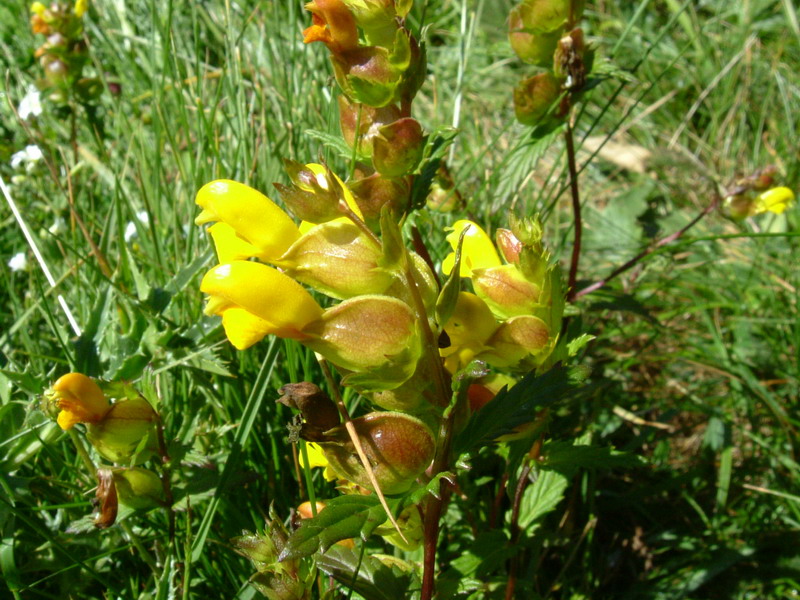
column 38, row 8
column 316, row 458
column 255, row 300
column 81, row 6
column 477, row 252
column 471, row 325
column 775, row 200
column 80, row 399
column 253, row 217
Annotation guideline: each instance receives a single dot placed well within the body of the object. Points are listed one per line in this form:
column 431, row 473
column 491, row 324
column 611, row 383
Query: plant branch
column 522, row 483
column 434, row 507
column 576, row 213
column 649, row 250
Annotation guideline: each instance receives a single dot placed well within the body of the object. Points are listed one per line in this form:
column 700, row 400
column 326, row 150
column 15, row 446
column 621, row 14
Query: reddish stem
column 649, row 250
column 576, row 212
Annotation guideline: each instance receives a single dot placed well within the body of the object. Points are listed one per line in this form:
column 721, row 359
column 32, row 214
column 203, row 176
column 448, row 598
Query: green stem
column 82, row 452
column 143, row 552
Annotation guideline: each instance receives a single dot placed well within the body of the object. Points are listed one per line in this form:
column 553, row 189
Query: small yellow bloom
column 81, row 6
column 477, row 252
column 38, row 8
column 469, row 328
column 775, row 200
column 253, row 217
column 316, row 458
column 255, row 300
column 80, row 399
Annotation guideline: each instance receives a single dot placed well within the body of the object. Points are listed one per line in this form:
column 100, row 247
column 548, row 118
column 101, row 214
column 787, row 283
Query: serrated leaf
column 573, row 346
column 518, row 405
column 567, row 458
column 432, row 488
column 541, row 497
column 337, row 144
column 373, row 579
column 436, row 148
column 343, row 518
column 485, row 555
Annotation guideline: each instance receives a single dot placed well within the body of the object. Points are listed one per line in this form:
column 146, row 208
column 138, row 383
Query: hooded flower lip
column 80, row 399
column 253, row 217
column 775, row 200
column 477, row 252
column 255, row 300
column 333, row 25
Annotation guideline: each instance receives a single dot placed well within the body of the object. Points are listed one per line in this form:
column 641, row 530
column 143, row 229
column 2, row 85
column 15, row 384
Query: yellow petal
column 263, row 292
column 776, row 200
column 80, row 399
column 316, row 458
column 230, row 246
column 252, row 215
column 244, row 329
column 478, row 251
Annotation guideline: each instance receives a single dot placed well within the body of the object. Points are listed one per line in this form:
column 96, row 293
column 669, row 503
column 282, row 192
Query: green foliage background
column 697, row 353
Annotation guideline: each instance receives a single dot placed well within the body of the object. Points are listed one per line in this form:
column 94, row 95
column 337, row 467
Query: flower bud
column 505, row 290
column 534, row 97
column 516, row 339
column 365, row 332
column 79, row 399
column 509, row 245
column 126, row 433
column 336, row 259
column 397, row 148
column 536, row 48
column 378, row 19
column 139, row 488
column 366, row 119
column 398, row 446
column 374, row 192
column 367, row 75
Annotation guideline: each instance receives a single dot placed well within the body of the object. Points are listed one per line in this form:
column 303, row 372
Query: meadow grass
column 695, row 362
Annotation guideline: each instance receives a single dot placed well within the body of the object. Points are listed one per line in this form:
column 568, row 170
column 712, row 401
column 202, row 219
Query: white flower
column 29, row 156
column 130, row 231
column 18, row 262
column 31, row 105
column 130, row 228
column 58, row 227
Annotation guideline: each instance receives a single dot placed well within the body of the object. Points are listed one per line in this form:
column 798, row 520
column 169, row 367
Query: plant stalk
column 576, row 213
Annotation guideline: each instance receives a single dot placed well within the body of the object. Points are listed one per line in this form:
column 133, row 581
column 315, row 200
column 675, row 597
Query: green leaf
column 344, row 517
column 567, row 458
column 337, row 145
column 518, row 405
column 435, row 150
column 448, row 297
column 541, row 497
column 371, row 578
